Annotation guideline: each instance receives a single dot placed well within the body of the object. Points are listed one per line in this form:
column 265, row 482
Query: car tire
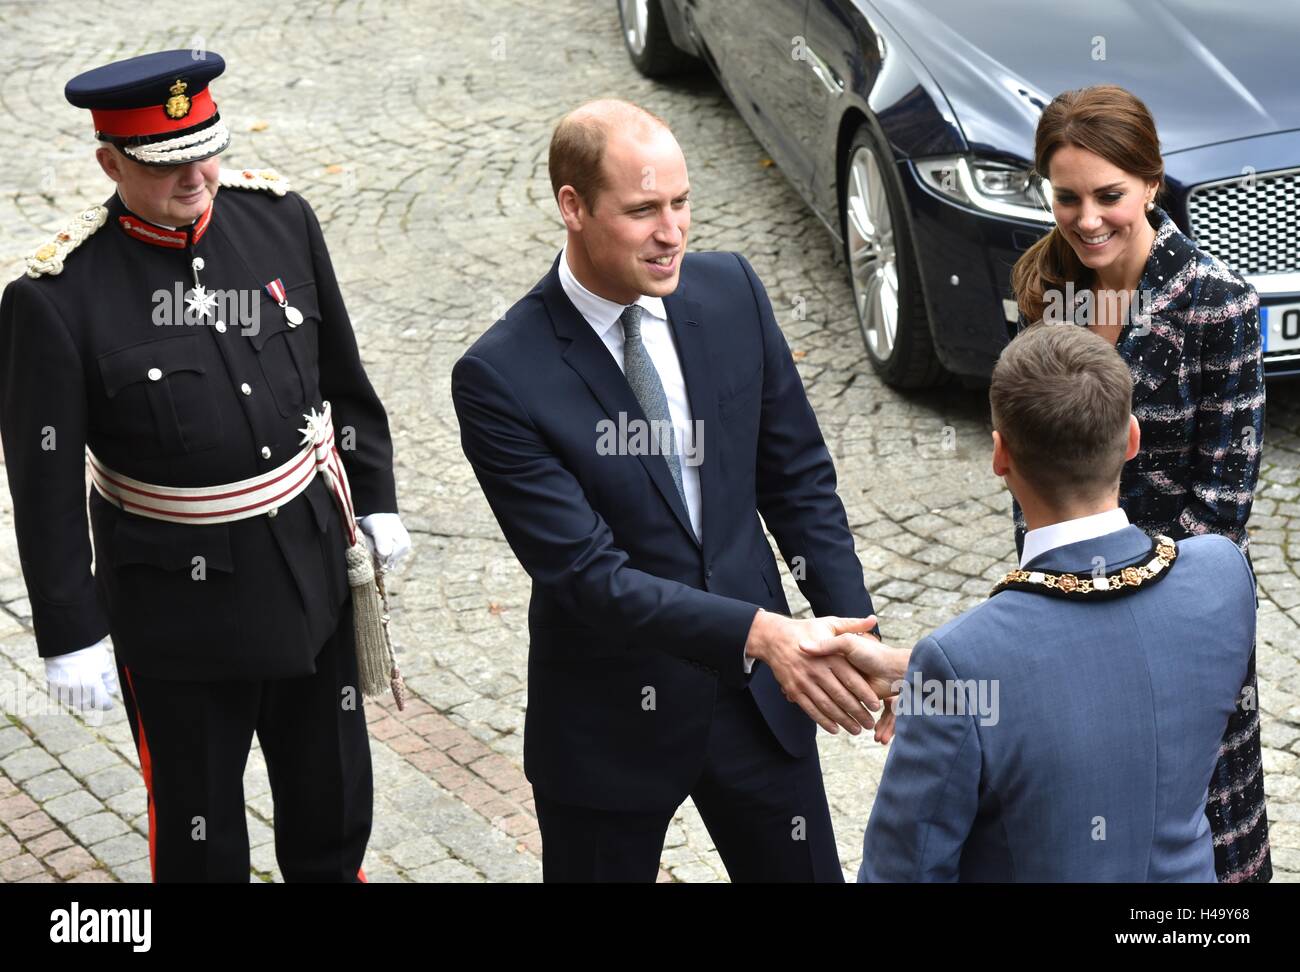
column 882, row 268
column 648, row 42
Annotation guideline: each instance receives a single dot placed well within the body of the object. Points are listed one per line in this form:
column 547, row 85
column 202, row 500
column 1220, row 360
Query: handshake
column 827, row 668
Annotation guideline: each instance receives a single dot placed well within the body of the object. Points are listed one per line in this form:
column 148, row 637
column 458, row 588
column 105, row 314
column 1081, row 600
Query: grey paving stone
column 417, row 852
column 11, row 738
column 446, row 872
column 83, row 761
column 23, row 764
column 129, row 803
column 113, row 780
column 383, row 875
column 133, row 872
column 65, row 736
column 259, row 832
column 262, row 859
column 49, row 785
column 97, row 827
column 72, row 806
column 121, row 850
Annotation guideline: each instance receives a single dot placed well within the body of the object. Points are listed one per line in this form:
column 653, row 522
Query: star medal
column 291, row 314
column 200, row 302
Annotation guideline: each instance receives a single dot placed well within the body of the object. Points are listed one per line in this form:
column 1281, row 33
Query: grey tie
column 649, row 392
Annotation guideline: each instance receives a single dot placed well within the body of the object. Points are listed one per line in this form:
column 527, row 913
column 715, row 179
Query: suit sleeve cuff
column 62, row 628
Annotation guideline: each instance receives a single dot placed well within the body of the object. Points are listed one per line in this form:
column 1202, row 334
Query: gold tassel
column 395, row 680
column 377, row 669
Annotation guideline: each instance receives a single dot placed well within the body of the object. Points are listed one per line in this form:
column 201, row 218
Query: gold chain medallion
column 1163, row 553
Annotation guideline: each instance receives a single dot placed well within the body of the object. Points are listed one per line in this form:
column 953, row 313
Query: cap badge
column 178, row 105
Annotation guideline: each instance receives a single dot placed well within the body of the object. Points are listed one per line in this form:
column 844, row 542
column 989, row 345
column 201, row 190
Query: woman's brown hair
column 1107, row 121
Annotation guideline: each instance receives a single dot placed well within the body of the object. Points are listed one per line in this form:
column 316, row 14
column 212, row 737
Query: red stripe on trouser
column 146, row 770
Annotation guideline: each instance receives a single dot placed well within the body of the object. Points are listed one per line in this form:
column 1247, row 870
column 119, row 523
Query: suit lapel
column 692, row 352
column 587, row 355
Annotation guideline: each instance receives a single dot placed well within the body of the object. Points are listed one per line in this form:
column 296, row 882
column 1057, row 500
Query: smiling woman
column 1170, row 309
column 1098, row 150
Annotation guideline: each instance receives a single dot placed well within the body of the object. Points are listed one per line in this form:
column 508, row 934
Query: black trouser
column 194, row 737
column 765, row 810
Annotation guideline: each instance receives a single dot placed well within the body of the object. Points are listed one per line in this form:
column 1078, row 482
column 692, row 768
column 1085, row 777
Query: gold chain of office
column 1163, row 553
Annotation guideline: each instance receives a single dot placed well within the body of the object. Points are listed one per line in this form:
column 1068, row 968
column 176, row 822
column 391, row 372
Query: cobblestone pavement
column 419, row 133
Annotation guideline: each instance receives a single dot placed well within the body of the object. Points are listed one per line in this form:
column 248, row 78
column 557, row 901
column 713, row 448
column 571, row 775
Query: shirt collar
column 1038, row 542
column 599, row 312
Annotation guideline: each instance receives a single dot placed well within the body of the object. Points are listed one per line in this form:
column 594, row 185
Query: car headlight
column 994, row 187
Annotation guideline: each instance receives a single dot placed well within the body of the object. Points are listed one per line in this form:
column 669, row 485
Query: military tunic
column 100, row 356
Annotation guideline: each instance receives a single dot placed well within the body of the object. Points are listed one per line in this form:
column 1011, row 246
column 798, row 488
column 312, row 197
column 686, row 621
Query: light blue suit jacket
column 1084, row 751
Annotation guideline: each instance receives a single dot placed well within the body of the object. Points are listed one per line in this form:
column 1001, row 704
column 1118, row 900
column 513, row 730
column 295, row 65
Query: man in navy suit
column 1067, row 728
column 629, row 420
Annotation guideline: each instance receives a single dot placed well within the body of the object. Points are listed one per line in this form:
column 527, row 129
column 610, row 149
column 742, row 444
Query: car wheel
column 648, row 43
column 882, row 269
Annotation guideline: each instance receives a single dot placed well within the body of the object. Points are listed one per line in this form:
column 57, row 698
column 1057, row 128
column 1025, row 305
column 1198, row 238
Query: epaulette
column 267, row 179
column 48, row 259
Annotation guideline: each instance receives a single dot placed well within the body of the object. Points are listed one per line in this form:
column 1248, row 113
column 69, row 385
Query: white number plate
column 1280, row 325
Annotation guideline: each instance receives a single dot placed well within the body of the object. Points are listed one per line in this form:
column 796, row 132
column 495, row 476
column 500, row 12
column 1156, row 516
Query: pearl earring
column 1150, row 205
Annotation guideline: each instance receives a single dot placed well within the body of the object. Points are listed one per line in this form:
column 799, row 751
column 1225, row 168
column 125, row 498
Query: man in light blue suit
column 1066, row 728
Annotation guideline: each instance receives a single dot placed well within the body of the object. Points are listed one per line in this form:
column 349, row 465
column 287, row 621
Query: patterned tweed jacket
column 1193, row 348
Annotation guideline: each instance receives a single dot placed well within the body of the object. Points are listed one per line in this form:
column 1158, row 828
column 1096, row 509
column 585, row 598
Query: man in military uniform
column 218, row 480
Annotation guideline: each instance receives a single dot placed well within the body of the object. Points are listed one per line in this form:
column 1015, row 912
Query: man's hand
column 85, row 679
column 829, row 689
column 885, row 724
column 883, row 666
column 386, row 537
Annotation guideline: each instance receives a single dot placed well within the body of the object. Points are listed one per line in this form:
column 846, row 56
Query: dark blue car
column 908, row 127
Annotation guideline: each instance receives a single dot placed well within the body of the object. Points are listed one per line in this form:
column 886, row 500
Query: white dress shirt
column 657, row 337
column 1071, row 531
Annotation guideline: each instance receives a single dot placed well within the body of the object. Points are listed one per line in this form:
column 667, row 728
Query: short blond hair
column 577, row 152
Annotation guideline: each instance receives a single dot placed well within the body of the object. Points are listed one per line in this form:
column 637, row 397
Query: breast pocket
column 161, row 397
column 287, row 352
column 742, row 395
column 739, row 411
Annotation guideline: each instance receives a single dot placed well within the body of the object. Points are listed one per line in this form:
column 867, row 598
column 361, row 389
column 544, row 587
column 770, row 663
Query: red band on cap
column 153, row 120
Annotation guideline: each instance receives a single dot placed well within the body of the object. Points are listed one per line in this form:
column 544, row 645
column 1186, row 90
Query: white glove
column 85, row 679
column 386, row 537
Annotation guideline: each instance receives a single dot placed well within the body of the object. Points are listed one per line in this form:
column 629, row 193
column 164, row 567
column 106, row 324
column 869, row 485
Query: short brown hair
column 1108, row 121
column 577, row 151
column 1061, row 397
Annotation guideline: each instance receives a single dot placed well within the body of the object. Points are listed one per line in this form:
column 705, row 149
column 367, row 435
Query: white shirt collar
column 599, row 312
column 1038, row 542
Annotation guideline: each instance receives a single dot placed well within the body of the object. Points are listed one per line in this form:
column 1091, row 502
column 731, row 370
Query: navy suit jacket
column 632, row 621
column 1096, row 763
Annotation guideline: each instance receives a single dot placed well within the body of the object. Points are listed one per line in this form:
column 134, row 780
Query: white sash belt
column 243, row 499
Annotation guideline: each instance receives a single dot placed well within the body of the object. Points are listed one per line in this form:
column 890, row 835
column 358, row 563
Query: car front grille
column 1251, row 223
